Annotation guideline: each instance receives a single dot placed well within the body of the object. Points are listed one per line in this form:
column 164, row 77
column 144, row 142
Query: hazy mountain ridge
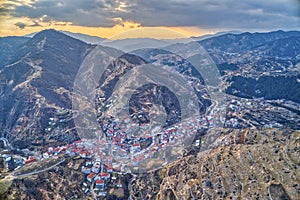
column 85, row 38
column 8, row 45
column 234, row 43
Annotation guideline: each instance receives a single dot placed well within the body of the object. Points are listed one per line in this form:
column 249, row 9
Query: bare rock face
column 266, row 165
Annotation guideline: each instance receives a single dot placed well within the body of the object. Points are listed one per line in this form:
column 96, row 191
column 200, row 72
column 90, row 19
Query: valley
column 178, row 135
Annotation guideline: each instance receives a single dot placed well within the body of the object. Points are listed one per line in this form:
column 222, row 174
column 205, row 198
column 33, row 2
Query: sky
column 106, row 18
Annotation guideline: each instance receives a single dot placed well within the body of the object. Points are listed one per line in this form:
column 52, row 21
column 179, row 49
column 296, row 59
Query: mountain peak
column 52, row 34
column 49, row 32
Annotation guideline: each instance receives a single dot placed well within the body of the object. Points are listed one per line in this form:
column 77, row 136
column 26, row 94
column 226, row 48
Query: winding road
column 39, row 171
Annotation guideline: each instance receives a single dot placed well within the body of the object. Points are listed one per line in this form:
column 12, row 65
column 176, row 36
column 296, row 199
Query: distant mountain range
column 83, row 37
column 130, row 44
column 8, row 46
column 37, row 73
column 234, row 43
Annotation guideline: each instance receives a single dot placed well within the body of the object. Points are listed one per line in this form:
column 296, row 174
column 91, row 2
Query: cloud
column 35, row 23
column 20, row 25
column 84, row 13
column 211, row 14
column 216, row 13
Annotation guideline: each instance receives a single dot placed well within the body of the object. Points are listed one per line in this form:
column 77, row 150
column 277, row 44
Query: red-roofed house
column 91, row 176
column 30, row 160
column 56, row 150
column 104, row 176
column 136, row 145
column 82, row 154
column 77, row 142
column 109, row 169
column 89, row 155
column 76, row 151
column 100, row 184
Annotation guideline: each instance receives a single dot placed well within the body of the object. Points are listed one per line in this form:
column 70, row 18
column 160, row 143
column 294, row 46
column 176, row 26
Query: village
column 99, row 174
column 242, row 113
column 107, row 158
column 122, row 147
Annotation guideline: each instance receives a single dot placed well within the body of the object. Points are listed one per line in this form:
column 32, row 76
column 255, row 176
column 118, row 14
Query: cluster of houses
column 136, row 148
column 102, row 156
column 99, row 178
column 101, row 173
column 5, row 162
column 11, row 162
column 106, row 158
column 233, row 108
column 243, row 112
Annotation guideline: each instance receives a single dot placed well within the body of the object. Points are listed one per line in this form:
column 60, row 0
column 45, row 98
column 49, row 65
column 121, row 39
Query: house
column 136, row 146
column 64, row 148
column 89, row 155
column 77, row 142
column 50, row 149
column 82, row 154
column 30, row 160
column 91, row 177
column 76, row 151
column 86, row 191
column 100, row 184
column 104, row 176
column 86, row 170
column 46, row 155
column 7, row 158
column 19, row 161
column 56, row 150
column 96, row 167
column 109, row 169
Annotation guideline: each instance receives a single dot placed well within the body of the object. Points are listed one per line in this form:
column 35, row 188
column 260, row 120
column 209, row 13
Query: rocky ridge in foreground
column 265, row 165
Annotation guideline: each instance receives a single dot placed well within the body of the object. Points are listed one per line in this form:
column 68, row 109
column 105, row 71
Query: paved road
column 192, row 195
column 39, row 171
column 6, row 142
